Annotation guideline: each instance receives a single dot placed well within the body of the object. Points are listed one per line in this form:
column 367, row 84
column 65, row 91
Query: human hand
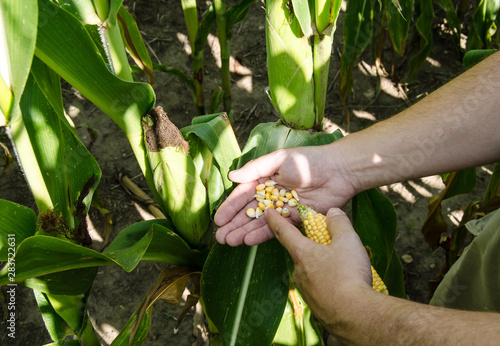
column 328, row 276
column 314, row 172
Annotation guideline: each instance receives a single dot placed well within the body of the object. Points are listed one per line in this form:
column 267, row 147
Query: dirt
column 116, row 294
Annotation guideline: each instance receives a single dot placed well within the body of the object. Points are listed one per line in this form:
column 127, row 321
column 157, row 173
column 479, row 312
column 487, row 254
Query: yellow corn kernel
column 295, row 195
column 282, row 192
column 251, row 212
column 260, row 193
column 270, row 183
column 270, row 205
column 262, row 205
column 316, row 229
column 260, row 187
column 288, row 195
column 267, row 196
column 276, row 192
column 285, row 212
column 283, row 199
column 274, row 198
column 269, row 189
column 292, row 202
column 280, row 204
column 258, row 212
column 279, row 209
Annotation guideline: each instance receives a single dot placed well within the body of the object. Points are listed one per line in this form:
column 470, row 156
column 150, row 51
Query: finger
column 338, row 223
column 240, row 220
column 236, row 236
column 264, row 166
column 237, row 200
column 258, row 236
column 287, row 234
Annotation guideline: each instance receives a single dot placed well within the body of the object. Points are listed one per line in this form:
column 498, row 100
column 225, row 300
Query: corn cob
column 316, row 229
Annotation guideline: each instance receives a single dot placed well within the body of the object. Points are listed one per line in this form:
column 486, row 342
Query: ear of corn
column 175, row 177
column 316, row 229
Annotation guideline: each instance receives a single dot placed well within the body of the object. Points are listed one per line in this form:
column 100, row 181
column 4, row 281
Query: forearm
column 453, row 128
column 376, row 319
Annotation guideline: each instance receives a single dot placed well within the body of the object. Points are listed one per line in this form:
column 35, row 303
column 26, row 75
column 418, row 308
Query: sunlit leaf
column 18, row 32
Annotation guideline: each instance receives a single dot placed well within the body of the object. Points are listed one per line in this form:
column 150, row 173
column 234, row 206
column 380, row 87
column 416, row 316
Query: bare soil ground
column 116, row 294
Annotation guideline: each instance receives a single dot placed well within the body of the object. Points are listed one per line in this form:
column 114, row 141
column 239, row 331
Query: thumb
column 286, row 233
column 264, row 166
column 338, row 223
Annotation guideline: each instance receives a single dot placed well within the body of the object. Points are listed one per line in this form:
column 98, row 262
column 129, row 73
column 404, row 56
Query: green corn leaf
column 18, row 31
column 55, row 324
column 213, row 133
column 375, row 220
column 218, row 135
column 244, row 291
column 358, row 29
column 268, row 137
column 16, row 220
column 482, row 25
column 399, row 20
column 152, row 240
column 290, row 66
column 134, row 43
column 475, row 56
column 424, row 28
column 237, row 12
column 69, row 282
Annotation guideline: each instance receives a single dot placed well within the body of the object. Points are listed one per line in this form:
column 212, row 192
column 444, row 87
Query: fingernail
column 334, row 212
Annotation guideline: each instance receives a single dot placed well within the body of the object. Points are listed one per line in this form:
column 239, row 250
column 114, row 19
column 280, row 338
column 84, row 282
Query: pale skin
column 453, row 128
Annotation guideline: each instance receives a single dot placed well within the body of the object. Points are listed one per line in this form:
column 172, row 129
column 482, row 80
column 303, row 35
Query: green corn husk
column 297, row 64
column 290, row 66
column 175, row 177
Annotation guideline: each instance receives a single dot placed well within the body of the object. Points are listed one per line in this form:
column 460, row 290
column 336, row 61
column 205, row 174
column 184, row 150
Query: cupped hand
column 314, row 172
